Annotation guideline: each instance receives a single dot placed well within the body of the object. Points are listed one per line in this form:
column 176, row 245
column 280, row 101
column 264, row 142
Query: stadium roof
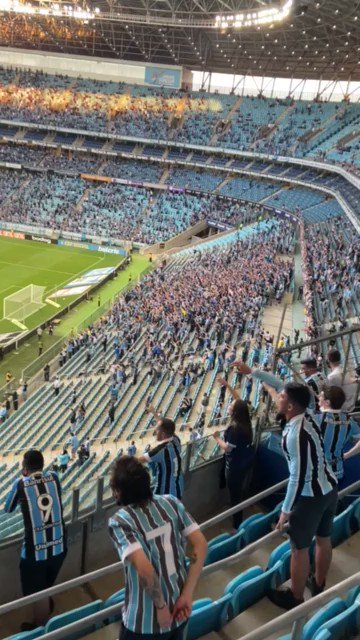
column 317, row 39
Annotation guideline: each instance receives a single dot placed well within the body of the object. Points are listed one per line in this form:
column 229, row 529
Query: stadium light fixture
column 49, row 9
column 255, row 18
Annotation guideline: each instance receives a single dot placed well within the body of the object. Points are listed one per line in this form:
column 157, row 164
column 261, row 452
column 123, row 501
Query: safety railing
column 297, row 617
column 107, row 613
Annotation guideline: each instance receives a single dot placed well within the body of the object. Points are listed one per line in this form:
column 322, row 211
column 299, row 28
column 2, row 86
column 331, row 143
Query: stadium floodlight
column 255, row 18
column 23, row 303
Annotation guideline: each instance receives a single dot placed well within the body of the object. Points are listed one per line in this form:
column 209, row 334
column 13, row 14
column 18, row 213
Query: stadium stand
column 246, row 210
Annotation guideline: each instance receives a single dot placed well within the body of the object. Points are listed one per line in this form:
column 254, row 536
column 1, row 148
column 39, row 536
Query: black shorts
column 39, row 575
column 310, row 517
column 177, row 634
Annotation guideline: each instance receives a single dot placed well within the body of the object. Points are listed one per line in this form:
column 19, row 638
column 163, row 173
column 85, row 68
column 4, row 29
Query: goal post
column 23, row 303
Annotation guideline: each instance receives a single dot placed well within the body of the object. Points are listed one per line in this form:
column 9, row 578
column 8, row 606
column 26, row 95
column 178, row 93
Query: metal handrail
column 299, row 613
column 99, row 573
column 75, row 582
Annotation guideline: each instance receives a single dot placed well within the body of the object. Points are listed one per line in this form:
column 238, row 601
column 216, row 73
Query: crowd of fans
column 269, row 125
column 110, row 209
column 331, row 261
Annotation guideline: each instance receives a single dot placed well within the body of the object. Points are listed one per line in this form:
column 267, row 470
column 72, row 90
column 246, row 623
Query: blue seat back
column 208, row 618
column 341, row 529
column 260, row 527
column 214, row 541
column 253, row 572
column 325, row 614
column 278, row 553
column 224, row 549
column 115, row 598
column 353, row 595
column 250, row 591
column 74, row 615
column 344, row 625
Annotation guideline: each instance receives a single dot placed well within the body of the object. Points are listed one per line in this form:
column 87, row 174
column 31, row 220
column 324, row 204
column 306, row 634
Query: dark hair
column 335, row 395
column 33, row 460
column 309, row 362
column 240, row 419
column 298, row 394
column 167, row 426
column 333, row 356
column 132, row 480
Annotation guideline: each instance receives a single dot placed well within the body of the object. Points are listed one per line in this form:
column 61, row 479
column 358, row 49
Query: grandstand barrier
column 296, row 616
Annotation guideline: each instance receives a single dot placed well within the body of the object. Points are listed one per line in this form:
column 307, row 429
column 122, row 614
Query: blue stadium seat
column 207, row 616
column 224, row 548
column 251, row 586
column 115, row 598
column 74, row 615
column 260, row 526
column 332, row 609
column 344, row 625
column 341, row 529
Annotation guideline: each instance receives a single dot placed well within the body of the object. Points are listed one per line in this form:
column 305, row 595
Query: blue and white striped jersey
column 39, row 497
column 165, row 459
column 337, row 430
column 310, row 474
column 159, row 529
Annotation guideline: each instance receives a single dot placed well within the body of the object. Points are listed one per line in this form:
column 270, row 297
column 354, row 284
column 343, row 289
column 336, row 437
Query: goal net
column 23, row 303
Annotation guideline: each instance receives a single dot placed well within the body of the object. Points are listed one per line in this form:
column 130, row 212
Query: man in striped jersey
column 149, row 534
column 337, row 427
column 311, row 497
column 314, row 380
column 38, row 494
column 165, row 458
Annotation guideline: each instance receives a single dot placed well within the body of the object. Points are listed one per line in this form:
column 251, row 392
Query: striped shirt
column 310, row 474
column 166, row 462
column 315, row 382
column 159, row 529
column 337, row 429
column 39, row 496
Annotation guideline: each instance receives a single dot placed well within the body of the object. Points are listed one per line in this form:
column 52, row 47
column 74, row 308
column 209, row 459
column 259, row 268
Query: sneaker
column 313, row 586
column 284, row 598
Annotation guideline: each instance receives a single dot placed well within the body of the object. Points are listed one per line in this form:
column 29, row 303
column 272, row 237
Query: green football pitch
column 24, row 262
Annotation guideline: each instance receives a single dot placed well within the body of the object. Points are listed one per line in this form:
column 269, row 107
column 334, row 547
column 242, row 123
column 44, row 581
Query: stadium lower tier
column 145, row 215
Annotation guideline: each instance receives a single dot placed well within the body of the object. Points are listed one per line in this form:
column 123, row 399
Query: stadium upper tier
column 285, row 127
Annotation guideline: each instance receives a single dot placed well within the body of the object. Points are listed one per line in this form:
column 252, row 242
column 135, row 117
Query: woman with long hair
column 237, row 445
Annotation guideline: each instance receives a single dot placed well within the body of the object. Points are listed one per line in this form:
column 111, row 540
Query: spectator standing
column 238, row 448
column 56, row 386
column 166, row 458
column 64, row 460
column 74, row 443
column 338, row 378
column 314, row 380
column 159, row 586
column 46, row 371
column 15, row 399
column 132, row 449
column 44, row 548
column 3, row 413
column 311, row 498
column 24, row 390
